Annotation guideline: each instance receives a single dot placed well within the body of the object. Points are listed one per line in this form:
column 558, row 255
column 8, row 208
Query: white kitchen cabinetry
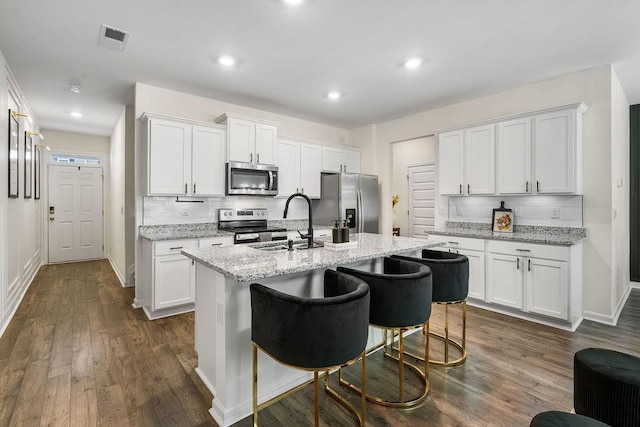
column 474, row 250
column 467, row 161
column 529, row 277
column 299, row 168
column 514, row 157
column 250, row 140
column 339, row 160
column 167, row 279
column 184, row 157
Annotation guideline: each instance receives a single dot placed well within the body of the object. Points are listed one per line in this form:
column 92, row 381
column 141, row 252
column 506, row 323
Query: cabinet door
column 310, row 169
column 450, row 162
column 476, row 273
column 169, row 157
column 351, row 162
column 288, row 167
column 554, row 155
column 331, row 159
column 241, row 140
column 504, row 280
column 514, row 157
column 207, row 161
column 215, row 241
column 479, row 170
column 174, row 281
column 547, row 287
column 266, row 140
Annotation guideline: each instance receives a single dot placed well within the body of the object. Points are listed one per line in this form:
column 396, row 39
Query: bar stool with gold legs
column 400, row 301
column 450, row 286
column 312, row 334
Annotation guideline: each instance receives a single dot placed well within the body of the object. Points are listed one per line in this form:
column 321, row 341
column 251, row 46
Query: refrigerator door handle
column 360, row 228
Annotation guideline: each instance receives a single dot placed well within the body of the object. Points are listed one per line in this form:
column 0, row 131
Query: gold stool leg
column 254, row 351
column 316, row 406
column 401, row 356
column 446, row 333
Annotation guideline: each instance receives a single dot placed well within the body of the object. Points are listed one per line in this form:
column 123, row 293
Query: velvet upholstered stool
column 450, row 286
column 564, row 419
column 400, row 300
column 607, row 386
column 312, row 334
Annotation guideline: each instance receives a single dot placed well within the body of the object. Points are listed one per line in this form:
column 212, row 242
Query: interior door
column 75, row 213
column 422, row 193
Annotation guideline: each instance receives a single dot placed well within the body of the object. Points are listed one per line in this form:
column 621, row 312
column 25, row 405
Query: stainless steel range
column 249, row 225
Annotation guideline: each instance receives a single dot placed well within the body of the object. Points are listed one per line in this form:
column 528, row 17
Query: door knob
column 50, row 218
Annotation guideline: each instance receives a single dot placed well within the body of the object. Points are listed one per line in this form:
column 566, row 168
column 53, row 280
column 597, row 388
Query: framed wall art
column 13, row 155
column 36, row 173
column 28, row 150
column 502, row 219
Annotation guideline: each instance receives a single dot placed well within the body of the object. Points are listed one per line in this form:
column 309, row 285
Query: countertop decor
column 562, row 236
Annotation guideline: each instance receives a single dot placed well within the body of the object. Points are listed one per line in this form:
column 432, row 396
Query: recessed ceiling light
column 75, row 88
column 412, row 63
column 75, row 114
column 227, row 61
column 293, row 2
column 334, row 95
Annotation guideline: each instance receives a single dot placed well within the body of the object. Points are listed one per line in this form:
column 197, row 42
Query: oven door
column 246, row 238
column 247, row 178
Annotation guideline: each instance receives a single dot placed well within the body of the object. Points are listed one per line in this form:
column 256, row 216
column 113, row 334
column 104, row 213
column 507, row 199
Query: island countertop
column 244, row 263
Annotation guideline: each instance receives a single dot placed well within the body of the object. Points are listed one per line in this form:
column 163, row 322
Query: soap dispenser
column 337, row 232
column 345, row 232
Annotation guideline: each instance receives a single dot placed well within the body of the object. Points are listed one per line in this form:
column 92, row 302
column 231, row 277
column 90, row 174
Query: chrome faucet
column 309, row 235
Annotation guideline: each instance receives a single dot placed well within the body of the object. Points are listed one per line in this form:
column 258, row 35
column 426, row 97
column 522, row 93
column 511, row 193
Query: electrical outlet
column 555, row 212
column 459, row 211
column 220, row 313
column 517, row 211
column 185, row 212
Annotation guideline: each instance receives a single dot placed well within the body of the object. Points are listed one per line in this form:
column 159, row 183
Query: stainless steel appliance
column 247, row 178
column 349, row 196
column 249, row 225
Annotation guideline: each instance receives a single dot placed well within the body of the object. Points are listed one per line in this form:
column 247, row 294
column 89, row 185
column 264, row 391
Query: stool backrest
column 401, row 296
column 312, row 332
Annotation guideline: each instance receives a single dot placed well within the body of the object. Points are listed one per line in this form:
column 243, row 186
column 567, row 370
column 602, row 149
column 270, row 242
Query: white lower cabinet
column 168, row 278
column 530, row 277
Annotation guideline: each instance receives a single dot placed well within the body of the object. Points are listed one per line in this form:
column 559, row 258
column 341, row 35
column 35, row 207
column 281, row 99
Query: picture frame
column 502, row 219
column 36, row 173
column 28, row 172
column 14, row 167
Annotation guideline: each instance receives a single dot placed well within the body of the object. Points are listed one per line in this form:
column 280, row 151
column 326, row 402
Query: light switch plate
column 555, row 212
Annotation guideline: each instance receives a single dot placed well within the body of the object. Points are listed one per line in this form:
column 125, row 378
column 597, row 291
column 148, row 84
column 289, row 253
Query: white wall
column 72, row 142
column 405, row 154
column 115, row 209
column 620, row 192
column 20, row 218
column 591, row 86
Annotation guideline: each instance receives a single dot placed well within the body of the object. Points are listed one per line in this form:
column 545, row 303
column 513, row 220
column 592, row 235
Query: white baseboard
column 121, row 278
column 7, row 319
column 635, row 285
column 611, row 319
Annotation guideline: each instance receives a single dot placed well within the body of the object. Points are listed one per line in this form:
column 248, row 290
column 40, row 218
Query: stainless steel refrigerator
column 348, row 196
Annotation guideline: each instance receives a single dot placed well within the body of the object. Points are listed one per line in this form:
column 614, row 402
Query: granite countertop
column 561, row 236
column 245, row 263
column 181, row 231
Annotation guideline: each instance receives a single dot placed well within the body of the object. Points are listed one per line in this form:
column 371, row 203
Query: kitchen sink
column 273, row 248
column 284, row 247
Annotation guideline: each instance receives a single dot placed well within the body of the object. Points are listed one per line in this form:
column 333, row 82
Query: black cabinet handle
column 460, row 188
column 194, row 188
column 529, row 266
column 185, row 188
column 538, row 186
column 468, row 188
column 517, row 263
column 526, row 187
column 177, row 247
column 258, row 158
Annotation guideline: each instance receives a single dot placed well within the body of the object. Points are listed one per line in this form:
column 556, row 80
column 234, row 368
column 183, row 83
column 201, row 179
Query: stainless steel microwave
column 256, row 180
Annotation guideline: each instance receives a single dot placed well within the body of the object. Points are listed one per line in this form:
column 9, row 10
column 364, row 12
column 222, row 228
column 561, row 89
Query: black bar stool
column 564, row 419
column 311, row 334
column 450, row 286
column 400, row 301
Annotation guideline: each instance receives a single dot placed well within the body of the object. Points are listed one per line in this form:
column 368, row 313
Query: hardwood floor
column 77, row 354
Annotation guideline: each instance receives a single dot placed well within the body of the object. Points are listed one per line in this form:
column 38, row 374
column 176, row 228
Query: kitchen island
column 223, row 309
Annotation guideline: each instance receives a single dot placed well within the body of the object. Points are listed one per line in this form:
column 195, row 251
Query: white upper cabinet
column 555, row 152
column 466, row 161
column 250, row 140
column 184, row 158
column 339, row 160
column 514, row 156
column 536, row 153
column 299, row 168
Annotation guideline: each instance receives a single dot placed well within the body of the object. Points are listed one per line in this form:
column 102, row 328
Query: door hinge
column 407, row 177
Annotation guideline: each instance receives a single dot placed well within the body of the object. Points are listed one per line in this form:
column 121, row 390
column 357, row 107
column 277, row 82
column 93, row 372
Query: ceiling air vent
column 113, row 38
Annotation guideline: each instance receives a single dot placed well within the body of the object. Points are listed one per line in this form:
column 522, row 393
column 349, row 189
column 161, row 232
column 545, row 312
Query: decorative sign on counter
column 502, row 219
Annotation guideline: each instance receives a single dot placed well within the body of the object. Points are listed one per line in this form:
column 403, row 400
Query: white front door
column 422, row 188
column 75, row 213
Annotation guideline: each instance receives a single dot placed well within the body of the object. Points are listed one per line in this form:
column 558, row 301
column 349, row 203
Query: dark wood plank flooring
column 77, row 354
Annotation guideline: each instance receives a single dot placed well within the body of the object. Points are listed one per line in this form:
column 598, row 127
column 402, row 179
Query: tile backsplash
column 554, row 211
column 166, row 210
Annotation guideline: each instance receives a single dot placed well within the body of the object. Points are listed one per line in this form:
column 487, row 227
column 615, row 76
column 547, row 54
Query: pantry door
column 422, row 191
column 75, row 213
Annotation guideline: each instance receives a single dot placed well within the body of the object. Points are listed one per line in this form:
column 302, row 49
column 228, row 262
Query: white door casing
column 422, row 189
column 76, row 222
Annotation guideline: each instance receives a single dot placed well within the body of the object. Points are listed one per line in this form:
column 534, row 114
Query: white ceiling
column 291, row 56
